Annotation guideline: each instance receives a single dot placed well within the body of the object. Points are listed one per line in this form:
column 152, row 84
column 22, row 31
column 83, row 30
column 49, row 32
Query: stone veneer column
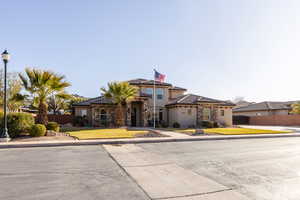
column 214, row 113
column 199, row 114
column 145, row 111
column 128, row 114
column 93, row 123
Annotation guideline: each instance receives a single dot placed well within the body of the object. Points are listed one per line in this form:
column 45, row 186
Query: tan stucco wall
column 175, row 93
column 159, row 103
column 227, row 118
column 79, row 109
column 181, row 115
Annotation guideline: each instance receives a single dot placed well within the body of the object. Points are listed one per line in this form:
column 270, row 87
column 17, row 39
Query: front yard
column 228, row 131
column 111, row 133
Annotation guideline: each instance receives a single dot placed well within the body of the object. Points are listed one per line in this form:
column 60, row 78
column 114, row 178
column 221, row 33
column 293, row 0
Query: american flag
column 159, row 77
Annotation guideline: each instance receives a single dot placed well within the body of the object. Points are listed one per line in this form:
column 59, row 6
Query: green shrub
column 164, row 124
column 53, row 126
column 176, row 125
column 38, row 130
column 216, row 125
column 80, row 121
column 207, row 124
column 17, row 123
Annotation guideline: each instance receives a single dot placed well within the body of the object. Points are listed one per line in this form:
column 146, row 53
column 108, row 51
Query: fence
column 240, row 119
column 279, row 120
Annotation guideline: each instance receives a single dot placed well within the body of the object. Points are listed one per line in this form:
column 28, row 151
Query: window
column 189, row 111
column 222, row 113
column 103, row 115
column 147, row 91
column 159, row 93
column 206, row 114
column 83, row 112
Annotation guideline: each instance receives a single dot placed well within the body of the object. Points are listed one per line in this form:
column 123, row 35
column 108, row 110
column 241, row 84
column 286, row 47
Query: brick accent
column 280, row 120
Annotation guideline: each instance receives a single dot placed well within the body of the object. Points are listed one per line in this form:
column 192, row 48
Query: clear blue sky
column 215, row 48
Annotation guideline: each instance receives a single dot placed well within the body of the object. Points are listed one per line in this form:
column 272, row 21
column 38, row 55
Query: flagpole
column 154, row 97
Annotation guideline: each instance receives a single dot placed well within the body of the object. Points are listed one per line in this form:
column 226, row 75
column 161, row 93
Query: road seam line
column 192, row 195
column 149, row 165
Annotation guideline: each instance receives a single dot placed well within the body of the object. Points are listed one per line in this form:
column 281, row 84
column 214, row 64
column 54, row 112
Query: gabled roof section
column 194, row 99
column 177, row 88
column 141, row 81
column 96, row 100
column 266, row 105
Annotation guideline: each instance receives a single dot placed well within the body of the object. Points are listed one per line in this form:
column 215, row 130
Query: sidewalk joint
column 192, row 195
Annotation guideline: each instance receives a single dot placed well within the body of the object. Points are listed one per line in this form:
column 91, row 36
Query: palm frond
column 120, row 92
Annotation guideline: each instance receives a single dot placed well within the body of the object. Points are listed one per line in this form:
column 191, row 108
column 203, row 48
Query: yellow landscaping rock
column 106, row 133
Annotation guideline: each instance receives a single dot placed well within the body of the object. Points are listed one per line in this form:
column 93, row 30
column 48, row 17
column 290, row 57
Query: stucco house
column 266, row 108
column 172, row 105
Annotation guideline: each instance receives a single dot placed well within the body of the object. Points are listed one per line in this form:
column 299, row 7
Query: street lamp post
column 4, row 135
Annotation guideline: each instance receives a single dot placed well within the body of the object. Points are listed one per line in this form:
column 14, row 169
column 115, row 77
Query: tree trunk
column 42, row 114
column 119, row 115
column 124, row 110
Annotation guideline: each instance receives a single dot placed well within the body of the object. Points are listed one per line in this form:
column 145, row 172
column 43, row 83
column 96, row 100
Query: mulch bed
column 199, row 134
column 150, row 134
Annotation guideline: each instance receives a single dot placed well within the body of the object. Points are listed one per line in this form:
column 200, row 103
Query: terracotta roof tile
column 194, row 99
column 266, row 105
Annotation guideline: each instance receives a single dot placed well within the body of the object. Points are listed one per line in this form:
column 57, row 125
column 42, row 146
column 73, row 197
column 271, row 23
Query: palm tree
column 120, row 93
column 42, row 84
column 296, row 108
column 58, row 102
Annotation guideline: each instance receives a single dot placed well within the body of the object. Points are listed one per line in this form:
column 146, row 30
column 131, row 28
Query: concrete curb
column 139, row 140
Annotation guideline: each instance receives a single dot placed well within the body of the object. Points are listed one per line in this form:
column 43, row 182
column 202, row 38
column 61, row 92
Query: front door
column 133, row 117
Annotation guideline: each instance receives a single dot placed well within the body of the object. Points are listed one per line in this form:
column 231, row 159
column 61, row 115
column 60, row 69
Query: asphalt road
column 257, row 168
column 63, row 173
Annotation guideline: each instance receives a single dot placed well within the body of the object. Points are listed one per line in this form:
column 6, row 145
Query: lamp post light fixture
column 4, row 137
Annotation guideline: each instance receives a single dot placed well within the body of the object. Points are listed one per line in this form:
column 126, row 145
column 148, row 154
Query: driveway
column 260, row 169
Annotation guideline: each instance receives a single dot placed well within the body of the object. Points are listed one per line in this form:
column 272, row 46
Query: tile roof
column 96, row 100
column 194, row 99
column 177, row 88
column 266, row 105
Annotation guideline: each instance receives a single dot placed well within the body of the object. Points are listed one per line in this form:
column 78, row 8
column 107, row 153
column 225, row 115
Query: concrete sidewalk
column 276, row 128
column 141, row 140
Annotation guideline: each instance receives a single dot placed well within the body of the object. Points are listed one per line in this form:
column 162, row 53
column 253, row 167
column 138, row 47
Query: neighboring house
column 265, row 108
column 242, row 103
column 172, row 105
